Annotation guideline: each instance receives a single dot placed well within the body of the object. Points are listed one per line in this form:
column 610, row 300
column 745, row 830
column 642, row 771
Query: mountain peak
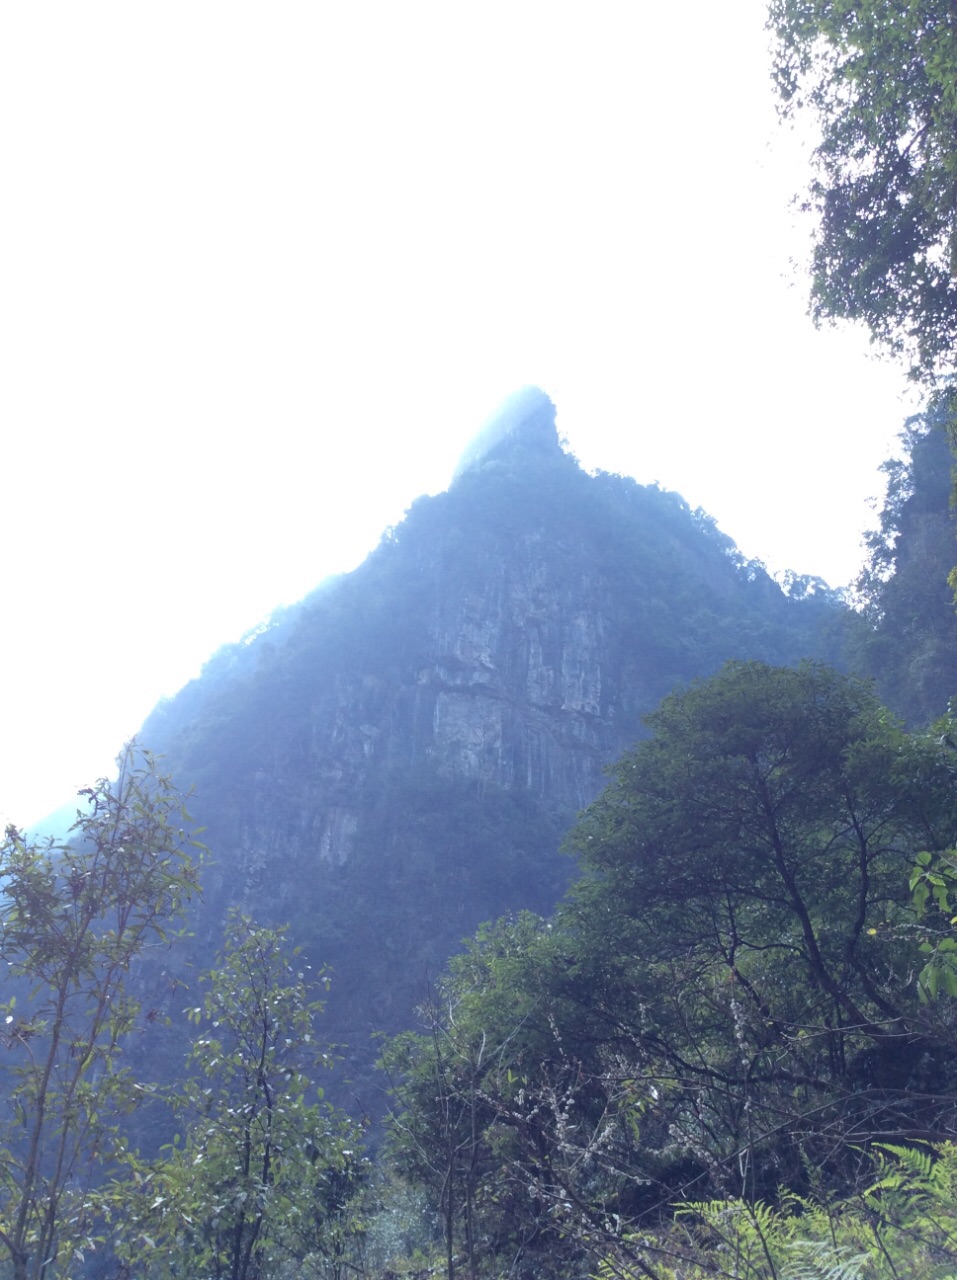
column 526, row 416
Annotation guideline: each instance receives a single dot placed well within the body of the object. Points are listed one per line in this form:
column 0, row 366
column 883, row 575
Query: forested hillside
column 396, row 759
column 557, row 895
column 729, row 994
column 723, row 1010
column 907, row 637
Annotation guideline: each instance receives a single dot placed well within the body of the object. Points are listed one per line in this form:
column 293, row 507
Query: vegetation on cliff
column 396, row 759
column 718, row 1038
column 726, row 1005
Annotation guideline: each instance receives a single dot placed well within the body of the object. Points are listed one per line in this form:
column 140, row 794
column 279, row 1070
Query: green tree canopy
column 880, row 78
column 74, row 917
column 266, row 1172
column 742, row 918
column 735, row 992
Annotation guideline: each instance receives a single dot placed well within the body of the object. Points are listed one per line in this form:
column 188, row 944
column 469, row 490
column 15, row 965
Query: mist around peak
column 528, row 413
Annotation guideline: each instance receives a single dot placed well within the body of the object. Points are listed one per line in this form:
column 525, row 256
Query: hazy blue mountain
column 395, row 759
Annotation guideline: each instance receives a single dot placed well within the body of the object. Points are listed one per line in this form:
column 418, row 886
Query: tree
column 519, row 1142
column 437, row 1121
column 880, row 77
column 267, row 1171
column 731, row 1000
column 445, row 1083
column 741, row 923
column 73, row 919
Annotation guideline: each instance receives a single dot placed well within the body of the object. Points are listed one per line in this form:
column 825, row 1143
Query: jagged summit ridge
column 527, row 416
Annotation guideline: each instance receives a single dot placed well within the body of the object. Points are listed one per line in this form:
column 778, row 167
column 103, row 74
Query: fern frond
column 917, row 1163
column 822, row 1260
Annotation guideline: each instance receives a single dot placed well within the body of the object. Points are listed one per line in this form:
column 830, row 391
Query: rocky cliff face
column 394, row 760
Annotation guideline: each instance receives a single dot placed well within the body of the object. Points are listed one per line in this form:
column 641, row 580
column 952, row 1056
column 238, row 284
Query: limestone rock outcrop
column 394, row 759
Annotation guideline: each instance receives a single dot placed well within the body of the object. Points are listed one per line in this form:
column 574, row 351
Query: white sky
column 264, row 270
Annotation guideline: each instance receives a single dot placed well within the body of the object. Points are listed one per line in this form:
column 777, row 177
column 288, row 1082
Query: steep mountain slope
column 907, row 633
column 394, row 759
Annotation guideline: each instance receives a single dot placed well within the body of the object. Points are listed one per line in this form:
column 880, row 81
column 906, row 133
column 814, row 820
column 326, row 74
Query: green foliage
column 907, row 637
column 402, row 1228
column 880, row 79
column 903, row 1221
column 493, row 1118
column 267, row 1173
column 725, row 1003
column 74, row 917
column 932, row 881
column 736, row 921
column 439, row 1117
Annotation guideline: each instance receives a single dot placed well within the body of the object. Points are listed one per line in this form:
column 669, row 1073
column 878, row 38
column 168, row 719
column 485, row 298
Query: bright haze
column 267, row 268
